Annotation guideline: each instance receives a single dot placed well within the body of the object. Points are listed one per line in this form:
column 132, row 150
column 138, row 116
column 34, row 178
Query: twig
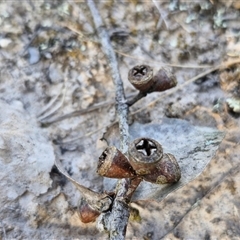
column 57, row 107
column 85, row 38
column 82, row 136
column 139, row 96
column 171, row 91
column 162, row 17
column 121, row 106
column 78, row 112
column 161, row 63
column 49, row 105
column 115, row 222
column 36, row 32
column 167, row 93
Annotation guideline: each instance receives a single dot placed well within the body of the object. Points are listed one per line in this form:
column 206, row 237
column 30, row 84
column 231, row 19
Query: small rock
column 34, row 55
column 55, row 74
column 234, row 104
column 47, row 55
column 4, row 42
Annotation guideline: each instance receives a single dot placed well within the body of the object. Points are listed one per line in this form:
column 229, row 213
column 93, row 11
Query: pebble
column 234, row 104
column 34, row 55
column 55, row 74
column 4, row 42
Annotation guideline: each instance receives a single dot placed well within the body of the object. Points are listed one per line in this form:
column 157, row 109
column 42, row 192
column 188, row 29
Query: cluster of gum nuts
column 145, row 159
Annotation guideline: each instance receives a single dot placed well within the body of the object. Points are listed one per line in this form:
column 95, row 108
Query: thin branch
column 167, row 93
column 222, row 66
column 80, row 112
column 115, row 222
column 85, row 38
column 139, row 96
column 161, row 63
column 36, row 32
column 55, row 108
column 77, row 113
column 162, row 15
column 49, row 105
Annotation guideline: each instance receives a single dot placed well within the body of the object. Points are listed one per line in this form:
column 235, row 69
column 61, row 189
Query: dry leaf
column 193, row 147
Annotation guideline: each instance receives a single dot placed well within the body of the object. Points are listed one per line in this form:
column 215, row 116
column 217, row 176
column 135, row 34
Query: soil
column 57, row 100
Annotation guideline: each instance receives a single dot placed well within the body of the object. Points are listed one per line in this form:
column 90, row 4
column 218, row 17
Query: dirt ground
column 57, row 100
